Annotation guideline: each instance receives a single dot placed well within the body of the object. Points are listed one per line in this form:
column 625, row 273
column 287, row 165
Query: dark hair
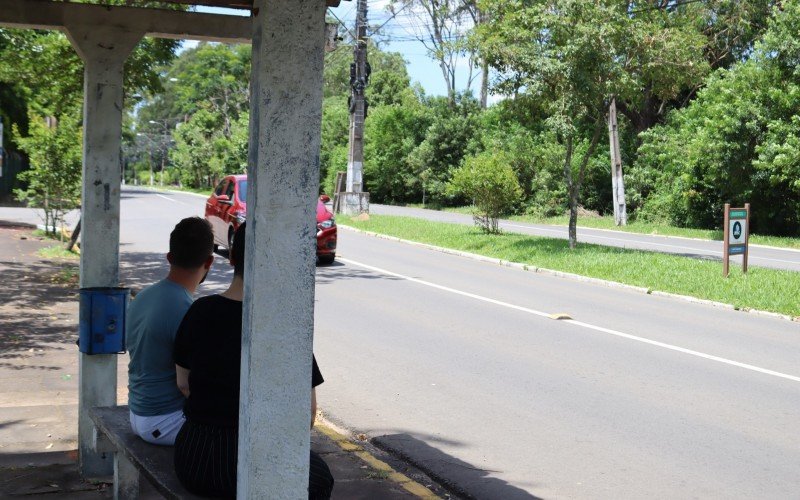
column 237, row 252
column 191, row 243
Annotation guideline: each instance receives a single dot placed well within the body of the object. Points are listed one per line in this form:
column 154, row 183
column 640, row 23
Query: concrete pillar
column 103, row 50
column 283, row 169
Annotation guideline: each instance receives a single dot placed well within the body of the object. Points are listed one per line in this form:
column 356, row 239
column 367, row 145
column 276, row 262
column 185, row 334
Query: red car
column 227, row 206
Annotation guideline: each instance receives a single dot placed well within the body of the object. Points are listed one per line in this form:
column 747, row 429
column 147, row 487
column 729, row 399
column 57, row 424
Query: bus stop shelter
column 288, row 40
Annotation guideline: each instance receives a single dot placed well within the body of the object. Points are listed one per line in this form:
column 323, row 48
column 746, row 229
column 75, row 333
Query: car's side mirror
column 324, row 198
column 223, row 198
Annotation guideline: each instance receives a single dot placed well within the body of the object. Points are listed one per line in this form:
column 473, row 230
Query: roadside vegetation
column 707, row 94
column 763, row 289
column 662, row 229
column 57, row 251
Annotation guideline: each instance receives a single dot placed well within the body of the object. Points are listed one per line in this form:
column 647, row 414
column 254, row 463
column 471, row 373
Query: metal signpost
column 737, row 236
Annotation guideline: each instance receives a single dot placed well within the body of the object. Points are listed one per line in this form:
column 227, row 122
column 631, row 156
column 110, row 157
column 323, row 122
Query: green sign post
column 737, row 236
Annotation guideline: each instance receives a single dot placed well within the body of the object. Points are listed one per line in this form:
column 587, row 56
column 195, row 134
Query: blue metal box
column 102, row 320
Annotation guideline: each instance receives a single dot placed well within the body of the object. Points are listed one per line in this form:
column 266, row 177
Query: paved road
column 456, row 364
column 776, row 258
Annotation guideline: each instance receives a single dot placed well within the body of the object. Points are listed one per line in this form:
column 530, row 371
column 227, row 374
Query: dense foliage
column 41, row 80
column 708, row 94
column 53, row 181
column 737, row 142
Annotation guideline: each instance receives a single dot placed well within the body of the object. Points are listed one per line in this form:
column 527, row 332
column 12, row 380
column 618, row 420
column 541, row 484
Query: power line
column 392, row 17
column 341, row 23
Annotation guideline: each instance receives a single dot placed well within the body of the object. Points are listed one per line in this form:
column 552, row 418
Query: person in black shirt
column 208, row 359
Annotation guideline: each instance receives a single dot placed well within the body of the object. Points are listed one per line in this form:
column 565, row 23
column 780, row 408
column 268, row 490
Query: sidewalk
column 39, row 393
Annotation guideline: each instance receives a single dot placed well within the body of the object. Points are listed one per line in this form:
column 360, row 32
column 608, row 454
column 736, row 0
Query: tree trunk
column 74, row 238
column 574, row 185
column 484, row 83
column 573, row 200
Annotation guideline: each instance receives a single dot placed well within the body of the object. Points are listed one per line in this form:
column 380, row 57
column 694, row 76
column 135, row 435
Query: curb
column 398, row 478
column 577, row 277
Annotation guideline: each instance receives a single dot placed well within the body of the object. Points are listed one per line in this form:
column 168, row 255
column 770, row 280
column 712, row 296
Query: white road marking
column 576, row 323
column 166, row 198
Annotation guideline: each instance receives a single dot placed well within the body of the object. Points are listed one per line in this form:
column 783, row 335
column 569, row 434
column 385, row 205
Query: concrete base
column 354, row 203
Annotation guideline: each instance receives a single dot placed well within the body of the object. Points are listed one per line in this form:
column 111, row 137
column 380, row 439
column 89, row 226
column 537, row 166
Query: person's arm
column 313, row 405
column 183, row 379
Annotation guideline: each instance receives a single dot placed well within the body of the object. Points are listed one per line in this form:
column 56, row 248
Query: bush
column 491, row 183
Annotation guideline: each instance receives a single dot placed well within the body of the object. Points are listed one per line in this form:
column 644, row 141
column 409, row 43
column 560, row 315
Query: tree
column 391, row 134
column 442, row 26
column 53, row 181
column 737, row 142
column 574, row 56
column 199, row 150
column 449, row 138
column 46, row 71
column 490, row 182
column 388, row 79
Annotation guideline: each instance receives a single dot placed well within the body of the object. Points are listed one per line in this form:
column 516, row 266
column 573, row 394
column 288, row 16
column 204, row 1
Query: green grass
column 760, row 288
column 607, row 222
column 57, row 252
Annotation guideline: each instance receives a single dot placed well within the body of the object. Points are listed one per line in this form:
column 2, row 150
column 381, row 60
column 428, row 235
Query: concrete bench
column 134, row 457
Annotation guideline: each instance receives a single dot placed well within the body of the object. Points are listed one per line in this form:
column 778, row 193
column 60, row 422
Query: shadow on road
column 462, row 478
column 338, row 271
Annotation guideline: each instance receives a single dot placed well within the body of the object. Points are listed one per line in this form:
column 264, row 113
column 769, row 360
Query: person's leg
column 320, row 479
column 160, row 429
column 205, row 459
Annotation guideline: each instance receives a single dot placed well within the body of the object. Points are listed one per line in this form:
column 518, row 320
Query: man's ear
column 208, row 262
column 169, row 257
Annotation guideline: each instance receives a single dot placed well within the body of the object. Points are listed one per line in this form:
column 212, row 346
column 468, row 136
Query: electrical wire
column 342, row 23
column 392, row 17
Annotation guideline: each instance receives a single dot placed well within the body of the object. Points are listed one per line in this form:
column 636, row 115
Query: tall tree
column 574, row 56
column 442, row 26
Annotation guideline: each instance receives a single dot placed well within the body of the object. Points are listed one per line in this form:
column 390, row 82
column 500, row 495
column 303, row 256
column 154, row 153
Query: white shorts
column 159, row 429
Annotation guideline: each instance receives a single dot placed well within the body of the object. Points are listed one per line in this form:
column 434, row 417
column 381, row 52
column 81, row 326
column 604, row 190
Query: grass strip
column 637, row 227
column 765, row 289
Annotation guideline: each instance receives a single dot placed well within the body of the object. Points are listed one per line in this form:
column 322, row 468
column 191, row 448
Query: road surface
column 457, row 365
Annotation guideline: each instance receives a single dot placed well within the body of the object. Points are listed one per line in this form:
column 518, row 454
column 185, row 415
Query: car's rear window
column 243, row 191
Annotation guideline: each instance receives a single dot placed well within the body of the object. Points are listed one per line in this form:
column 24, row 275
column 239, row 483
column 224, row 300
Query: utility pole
column 617, row 182
column 356, row 200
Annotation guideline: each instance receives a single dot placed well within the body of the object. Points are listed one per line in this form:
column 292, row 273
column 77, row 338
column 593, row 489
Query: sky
column 397, row 35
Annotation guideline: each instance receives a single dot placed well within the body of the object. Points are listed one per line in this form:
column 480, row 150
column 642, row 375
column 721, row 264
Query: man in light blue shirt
column 155, row 403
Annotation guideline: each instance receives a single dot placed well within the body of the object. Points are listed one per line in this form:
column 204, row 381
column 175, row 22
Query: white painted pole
column 283, row 170
column 617, row 180
column 103, row 50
